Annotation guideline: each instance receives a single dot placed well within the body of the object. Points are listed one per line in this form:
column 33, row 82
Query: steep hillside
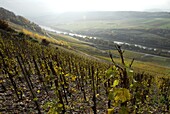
column 19, row 21
column 41, row 79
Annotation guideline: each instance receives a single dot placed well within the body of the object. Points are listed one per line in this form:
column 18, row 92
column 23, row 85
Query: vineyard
column 45, row 79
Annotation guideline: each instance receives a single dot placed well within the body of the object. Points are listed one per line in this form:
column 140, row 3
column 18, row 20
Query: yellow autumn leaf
column 67, row 74
column 73, row 78
column 110, row 111
column 38, row 91
column 97, row 95
column 1, row 81
column 121, row 94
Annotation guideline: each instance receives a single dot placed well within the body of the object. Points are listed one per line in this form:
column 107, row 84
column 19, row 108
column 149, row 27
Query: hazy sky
column 41, row 7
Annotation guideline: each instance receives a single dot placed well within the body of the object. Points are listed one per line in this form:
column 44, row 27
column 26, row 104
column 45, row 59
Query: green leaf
column 18, row 93
column 35, row 99
column 131, row 85
column 109, row 72
column 111, row 95
column 60, row 105
column 123, row 110
column 110, row 111
column 116, row 82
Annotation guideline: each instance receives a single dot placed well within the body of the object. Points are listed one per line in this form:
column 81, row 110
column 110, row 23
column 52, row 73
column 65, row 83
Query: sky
column 42, row 7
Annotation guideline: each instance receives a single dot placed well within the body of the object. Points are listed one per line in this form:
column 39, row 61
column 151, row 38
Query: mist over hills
column 98, row 15
column 49, row 18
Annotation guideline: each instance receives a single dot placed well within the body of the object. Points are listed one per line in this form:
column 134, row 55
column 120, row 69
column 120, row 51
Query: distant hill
column 99, row 15
column 19, row 20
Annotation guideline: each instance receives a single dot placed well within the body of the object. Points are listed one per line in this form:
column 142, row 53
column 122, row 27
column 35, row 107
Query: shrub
column 45, row 42
column 4, row 25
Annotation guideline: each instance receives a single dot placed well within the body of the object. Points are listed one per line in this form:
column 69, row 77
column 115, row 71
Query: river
column 116, row 42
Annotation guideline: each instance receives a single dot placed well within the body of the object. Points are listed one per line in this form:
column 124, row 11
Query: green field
column 157, row 23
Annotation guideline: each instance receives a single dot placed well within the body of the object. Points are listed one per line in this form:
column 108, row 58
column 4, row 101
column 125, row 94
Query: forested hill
column 19, row 20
